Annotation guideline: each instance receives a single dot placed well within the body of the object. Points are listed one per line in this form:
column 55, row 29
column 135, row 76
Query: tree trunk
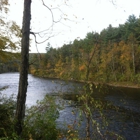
column 23, row 81
column 133, row 57
column 87, row 72
column 88, row 126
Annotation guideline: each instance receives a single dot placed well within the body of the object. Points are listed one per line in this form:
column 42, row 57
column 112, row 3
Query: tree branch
column 43, row 40
column 53, row 21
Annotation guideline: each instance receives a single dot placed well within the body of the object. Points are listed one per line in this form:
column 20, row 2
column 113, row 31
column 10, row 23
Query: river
column 125, row 121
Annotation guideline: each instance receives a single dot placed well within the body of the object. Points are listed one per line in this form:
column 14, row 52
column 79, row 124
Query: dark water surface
column 125, row 121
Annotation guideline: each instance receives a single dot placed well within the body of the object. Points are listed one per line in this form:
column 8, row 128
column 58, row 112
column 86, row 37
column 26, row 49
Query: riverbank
column 122, row 85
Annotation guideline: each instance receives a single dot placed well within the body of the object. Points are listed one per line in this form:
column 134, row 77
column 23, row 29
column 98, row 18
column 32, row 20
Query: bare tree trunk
column 87, row 72
column 89, row 59
column 133, row 57
column 23, row 81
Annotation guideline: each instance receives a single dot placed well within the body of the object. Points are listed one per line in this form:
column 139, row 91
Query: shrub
column 7, row 108
column 40, row 120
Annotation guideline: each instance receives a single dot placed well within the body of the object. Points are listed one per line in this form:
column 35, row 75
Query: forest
column 109, row 56
column 9, row 62
column 113, row 55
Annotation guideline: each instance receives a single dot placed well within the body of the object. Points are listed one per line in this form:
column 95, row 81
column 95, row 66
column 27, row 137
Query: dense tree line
column 111, row 55
column 10, row 62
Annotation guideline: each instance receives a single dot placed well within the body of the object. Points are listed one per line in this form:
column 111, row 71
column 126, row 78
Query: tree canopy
column 111, row 55
column 10, row 35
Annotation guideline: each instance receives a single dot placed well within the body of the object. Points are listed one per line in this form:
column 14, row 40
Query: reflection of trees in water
column 112, row 117
column 115, row 120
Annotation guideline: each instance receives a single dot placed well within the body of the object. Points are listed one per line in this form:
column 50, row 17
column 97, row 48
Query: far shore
column 123, row 85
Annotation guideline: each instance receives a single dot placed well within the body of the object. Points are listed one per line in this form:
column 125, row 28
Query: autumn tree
column 90, row 47
column 116, row 56
column 9, row 32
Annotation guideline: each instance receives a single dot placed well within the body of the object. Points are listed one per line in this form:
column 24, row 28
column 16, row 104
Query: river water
column 125, row 121
column 37, row 87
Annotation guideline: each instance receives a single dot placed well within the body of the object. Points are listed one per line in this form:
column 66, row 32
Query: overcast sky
column 82, row 16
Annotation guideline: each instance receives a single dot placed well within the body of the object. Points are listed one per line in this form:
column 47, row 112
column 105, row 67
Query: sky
column 78, row 17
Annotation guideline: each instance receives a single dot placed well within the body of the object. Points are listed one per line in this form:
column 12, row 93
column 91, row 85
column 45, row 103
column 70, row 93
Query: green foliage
column 10, row 34
column 40, row 120
column 7, row 107
column 9, row 62
column 89, row 106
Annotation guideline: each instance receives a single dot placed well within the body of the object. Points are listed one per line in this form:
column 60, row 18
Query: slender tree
column 24, row 67
column 20, row 110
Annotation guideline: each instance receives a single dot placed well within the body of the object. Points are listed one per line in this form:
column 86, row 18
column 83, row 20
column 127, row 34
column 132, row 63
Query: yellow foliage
column 48, row 65
column 61, row 73
column 82, row 68
column 32, row 71
column 121, row 43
